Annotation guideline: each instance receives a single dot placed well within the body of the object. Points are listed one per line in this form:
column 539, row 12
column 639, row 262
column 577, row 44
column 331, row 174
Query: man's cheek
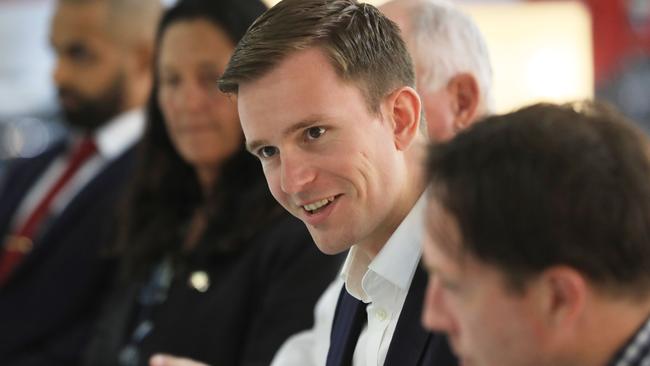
column 274, row 187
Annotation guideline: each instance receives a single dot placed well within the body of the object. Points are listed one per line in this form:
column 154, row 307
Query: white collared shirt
column 382, row 282
column 112, row 139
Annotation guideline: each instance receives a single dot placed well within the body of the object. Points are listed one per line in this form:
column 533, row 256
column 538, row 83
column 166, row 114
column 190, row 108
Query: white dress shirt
column 112, row 139
column 382, row 283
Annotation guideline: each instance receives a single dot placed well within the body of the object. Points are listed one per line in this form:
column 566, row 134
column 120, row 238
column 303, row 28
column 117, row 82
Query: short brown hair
column 362, row 45
column 551, row 185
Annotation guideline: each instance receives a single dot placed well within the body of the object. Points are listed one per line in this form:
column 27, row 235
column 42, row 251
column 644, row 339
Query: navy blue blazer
column 48, row 303
column 411, row 345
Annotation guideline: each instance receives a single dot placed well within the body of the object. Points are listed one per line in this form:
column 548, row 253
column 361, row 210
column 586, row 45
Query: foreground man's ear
column 565, row 296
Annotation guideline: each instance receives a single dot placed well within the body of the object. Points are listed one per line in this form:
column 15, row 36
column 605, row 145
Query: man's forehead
column 81, row 20
column 294, row 66
column 299, row 87
column 89, row 14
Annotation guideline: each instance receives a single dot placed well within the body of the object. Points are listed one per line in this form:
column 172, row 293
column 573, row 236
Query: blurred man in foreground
column 538, row 232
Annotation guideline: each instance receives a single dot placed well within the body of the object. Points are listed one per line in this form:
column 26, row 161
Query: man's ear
column 404, row 110
column 565, row 293
column 140, row 58
column 465, row 96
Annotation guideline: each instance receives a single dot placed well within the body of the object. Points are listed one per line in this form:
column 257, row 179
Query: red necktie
column 16, row 246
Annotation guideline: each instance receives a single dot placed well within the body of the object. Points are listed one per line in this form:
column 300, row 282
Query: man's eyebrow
column 252, row 146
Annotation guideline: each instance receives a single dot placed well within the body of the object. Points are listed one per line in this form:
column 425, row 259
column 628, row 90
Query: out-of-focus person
column 452, row 63
column 56, row 209
column 212, row 267
column 538, row 225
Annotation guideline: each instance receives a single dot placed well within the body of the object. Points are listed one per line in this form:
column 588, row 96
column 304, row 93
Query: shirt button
column 381, row 314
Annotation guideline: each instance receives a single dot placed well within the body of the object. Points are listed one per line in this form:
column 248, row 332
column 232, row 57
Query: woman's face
column 202, row 122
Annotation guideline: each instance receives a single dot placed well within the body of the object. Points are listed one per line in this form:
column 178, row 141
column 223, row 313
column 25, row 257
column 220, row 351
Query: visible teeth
column 318, row 204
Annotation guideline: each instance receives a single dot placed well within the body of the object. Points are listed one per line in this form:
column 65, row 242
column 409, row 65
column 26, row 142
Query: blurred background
column 541, row 51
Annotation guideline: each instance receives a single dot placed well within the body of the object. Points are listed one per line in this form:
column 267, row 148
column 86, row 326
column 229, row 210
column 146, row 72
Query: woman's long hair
column 165, row 191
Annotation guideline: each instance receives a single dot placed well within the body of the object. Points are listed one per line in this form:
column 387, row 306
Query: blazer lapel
column 110, row 179
column 411, row 343
column 20, row 179
column 108, row 182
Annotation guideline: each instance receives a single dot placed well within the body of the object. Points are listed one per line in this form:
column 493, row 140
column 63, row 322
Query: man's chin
column 85, row 122
column 464, row 361
column 79, row 125
column 89, row 113
column 327, row 247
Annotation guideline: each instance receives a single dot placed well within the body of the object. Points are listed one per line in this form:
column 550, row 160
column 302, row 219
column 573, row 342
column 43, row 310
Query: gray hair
column 444, row 42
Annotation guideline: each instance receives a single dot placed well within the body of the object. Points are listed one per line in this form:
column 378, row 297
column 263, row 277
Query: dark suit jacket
column 411, row 345
column 48, row 302
column 259, row 295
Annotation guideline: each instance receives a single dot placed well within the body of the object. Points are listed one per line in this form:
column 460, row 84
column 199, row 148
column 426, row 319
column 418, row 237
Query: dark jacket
column 258, row 296
column 50, row 300
column 411, row 344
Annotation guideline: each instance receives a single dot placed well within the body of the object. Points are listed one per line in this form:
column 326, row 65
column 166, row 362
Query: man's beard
column 91, row 114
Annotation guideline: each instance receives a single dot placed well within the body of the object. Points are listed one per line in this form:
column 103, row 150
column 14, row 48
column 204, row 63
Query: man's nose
column 60, row 72
column 435, row 315
column 297, row 172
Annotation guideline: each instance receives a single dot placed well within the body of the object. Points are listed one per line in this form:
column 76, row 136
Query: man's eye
column 448, row 284
column 80, row 53
column 266, row 152
column 314, row 133
column 444, row 282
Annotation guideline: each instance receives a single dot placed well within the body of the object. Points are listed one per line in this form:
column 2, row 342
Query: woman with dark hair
column 212, row 268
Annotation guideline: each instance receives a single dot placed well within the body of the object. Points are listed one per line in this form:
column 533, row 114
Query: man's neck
column 373, row 245
column 413, row 187
column 607, row 329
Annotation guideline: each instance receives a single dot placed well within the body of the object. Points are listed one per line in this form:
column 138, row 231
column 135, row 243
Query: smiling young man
column 326, row 101
column 537, row 245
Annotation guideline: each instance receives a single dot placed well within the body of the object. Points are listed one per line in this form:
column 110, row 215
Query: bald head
column 104, row 52
column 127, row 21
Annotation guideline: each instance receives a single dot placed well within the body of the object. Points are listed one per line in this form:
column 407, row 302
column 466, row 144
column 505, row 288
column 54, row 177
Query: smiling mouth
column 315, row 207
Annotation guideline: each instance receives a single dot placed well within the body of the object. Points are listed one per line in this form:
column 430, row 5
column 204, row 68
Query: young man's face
column 487, row 324
column 327, row 159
